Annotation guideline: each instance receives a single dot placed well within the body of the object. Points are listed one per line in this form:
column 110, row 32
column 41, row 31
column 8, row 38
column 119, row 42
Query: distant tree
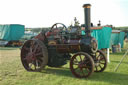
column 76, row 22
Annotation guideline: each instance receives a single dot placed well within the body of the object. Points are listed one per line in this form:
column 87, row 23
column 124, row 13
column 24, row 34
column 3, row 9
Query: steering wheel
column 59, row 26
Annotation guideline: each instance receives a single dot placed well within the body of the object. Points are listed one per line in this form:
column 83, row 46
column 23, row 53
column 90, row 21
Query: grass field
column 13, row 73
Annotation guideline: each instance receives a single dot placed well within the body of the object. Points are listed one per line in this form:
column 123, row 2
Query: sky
column 44, row 13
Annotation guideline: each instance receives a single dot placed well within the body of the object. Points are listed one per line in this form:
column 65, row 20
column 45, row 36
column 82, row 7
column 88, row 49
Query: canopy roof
column 11, row 32
column 102, row 35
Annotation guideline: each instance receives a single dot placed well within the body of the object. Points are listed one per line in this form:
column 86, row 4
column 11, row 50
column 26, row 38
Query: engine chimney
column 87, row 19
column 88, row 43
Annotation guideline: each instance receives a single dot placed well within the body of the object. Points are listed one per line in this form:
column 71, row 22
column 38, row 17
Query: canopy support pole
column 121, row 60
column 108, row 59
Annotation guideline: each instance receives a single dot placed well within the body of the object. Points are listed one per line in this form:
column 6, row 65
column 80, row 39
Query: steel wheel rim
column 100, row 62
column 32, row 56
column 85, row 65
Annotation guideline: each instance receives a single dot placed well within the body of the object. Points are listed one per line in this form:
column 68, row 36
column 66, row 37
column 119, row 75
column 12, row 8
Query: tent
column 127, row 34
column 102, row 35
column 11, row 32
column 117, row 37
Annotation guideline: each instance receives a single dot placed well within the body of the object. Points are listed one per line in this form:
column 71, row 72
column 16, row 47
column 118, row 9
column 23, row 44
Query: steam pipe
column 87, row 19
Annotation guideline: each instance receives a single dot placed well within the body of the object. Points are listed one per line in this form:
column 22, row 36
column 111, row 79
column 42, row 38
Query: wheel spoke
column 30, row 65
column 87, row 69
column 100, row 66
column 101, row 58
column 37, row 63
column 96, row 68
column 102, row 63
column 82, row 71
column 84, row 59
column 76, row 60
column 35, row 67
column 37, row 54
column 87, row 62
column 32, row 43
column 87, row 66
column 27, row 49
column 80, row 57
column 30, row 49
column 35, row 49
column 97, row 56
column 75, row 64
column 25, row 59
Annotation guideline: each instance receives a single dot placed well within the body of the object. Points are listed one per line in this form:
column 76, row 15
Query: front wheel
column 81, row 65
column 100, row 61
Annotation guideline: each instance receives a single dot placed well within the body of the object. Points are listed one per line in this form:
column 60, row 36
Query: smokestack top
column 87, row 19
column 86, row 5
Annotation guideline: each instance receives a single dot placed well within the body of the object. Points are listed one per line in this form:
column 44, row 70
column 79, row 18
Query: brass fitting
column 87, row 6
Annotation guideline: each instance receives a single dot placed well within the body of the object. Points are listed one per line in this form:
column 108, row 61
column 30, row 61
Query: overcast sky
column 44, row 13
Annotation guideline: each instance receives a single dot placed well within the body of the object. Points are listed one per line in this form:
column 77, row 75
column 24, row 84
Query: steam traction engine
column 58, row 45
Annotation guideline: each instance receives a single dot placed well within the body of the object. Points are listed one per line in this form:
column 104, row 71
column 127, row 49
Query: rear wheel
column 34, row 55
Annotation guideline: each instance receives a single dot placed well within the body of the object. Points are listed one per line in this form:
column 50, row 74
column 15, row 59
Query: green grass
column 13, row 73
